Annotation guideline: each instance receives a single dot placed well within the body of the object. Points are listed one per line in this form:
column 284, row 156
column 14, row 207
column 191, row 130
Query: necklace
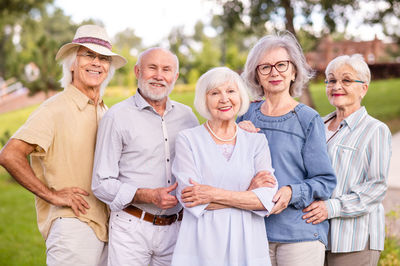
column 218, row 138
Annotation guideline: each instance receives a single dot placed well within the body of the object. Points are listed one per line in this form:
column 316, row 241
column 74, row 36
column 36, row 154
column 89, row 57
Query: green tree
column 12, row 12
column 283, row 14
column 127, row 44
column 40, row 41
column 180, row 44
column 387, row 14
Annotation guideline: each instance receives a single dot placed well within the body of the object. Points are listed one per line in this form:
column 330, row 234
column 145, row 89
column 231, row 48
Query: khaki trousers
column 366, row 257
column 309, row 253
column 73, row 242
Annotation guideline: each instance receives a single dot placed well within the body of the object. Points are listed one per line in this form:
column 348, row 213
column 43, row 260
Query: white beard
column 146, row 90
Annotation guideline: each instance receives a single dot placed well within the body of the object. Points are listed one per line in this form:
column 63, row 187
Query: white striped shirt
column 360, row 152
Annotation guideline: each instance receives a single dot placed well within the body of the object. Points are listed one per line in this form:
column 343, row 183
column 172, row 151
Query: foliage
column 386, row 15
column 13, row 12
column 390, row 256
column 126, row 44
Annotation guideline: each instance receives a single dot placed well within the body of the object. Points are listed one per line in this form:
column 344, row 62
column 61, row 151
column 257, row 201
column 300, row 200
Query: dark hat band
column 93, row 40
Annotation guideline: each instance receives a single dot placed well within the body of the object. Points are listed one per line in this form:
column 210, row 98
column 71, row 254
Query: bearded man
column 132, row 169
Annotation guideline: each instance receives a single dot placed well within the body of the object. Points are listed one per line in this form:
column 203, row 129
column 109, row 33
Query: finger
column 189, row 199
column 310, row 214
column 276, row 197
column 258, row 129
column 80, row 191
column 82, row 201
column 188, row 189
column 267, row 184
column 193, row 182
column 271, row 179
column 78, row 205
column 312, row 219
column 171, row 188
column 275, row 210
column 75, row 209
column 308, row 208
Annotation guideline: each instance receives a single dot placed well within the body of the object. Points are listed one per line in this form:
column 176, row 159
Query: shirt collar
column 352, row 120
column 80, row 99
column 141, row 103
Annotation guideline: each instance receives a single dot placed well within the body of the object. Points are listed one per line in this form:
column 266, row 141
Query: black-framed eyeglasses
column 280, row 66
column 345, row 82
column 92, row 56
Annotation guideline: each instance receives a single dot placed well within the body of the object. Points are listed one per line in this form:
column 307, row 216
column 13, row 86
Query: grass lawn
column 20, row 240
column 21, row 243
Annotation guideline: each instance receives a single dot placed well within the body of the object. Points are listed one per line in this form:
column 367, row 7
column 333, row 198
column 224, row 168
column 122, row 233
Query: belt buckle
column 154, row 220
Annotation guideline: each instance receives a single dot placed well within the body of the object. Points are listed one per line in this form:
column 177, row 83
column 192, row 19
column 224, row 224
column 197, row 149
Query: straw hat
column 94, row 38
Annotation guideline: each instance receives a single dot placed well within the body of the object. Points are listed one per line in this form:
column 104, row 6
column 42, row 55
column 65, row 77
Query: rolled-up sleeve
column 105, row 183
column 320, row 179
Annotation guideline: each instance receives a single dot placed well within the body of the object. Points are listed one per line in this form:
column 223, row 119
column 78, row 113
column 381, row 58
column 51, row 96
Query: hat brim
column 117, row 60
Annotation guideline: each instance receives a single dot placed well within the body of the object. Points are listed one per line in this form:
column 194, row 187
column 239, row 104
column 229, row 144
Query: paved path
column 394, row 170
column 392, row 198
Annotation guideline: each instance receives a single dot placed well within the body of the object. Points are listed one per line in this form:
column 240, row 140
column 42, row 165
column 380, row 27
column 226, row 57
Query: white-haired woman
column 276, row 69
column 360, row 148
column 214, row 164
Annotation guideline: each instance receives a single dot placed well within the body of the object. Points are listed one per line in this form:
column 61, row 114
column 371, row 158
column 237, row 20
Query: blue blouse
column 300, row 159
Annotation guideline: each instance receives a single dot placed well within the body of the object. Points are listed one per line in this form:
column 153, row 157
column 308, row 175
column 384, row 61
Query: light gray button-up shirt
column 135, row 148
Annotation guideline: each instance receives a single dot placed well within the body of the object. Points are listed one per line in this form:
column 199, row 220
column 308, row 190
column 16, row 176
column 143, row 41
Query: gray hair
column 287, row 41
column 355, row 61
column 214, row 78
column 140, row 56
column 67, row 63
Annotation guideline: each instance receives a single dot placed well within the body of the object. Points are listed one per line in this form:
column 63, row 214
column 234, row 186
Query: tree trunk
column 289, row 16
column 306, row 97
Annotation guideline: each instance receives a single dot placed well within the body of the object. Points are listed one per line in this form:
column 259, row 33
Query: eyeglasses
column 345, row 82
column 280, row 66
column 92, row 56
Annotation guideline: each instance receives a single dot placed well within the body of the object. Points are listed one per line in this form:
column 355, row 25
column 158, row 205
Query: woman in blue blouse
column 277, row 71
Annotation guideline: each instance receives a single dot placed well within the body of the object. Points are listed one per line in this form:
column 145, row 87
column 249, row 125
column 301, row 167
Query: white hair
column 287, row 41
column 67, row 63
column 214, row 78
column 140, row 57
column 355, row 61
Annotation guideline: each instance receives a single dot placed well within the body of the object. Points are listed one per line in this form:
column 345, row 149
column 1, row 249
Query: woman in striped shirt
column 360, row 148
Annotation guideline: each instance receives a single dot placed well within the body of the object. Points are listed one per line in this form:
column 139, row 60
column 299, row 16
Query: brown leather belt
column 154, row 219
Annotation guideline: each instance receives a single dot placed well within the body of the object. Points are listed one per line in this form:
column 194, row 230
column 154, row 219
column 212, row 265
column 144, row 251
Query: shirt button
column 169, row 181
column 167, row 160
column 166, row 139
column 315, row 234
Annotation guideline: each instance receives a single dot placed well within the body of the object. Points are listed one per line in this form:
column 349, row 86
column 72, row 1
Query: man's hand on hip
column 70, row 197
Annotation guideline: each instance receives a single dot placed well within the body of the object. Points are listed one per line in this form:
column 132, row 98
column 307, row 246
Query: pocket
column 345, row 154
column 122, row 221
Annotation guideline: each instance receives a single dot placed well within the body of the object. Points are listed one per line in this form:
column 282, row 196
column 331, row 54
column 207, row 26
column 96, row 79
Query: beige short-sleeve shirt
column 64, row 129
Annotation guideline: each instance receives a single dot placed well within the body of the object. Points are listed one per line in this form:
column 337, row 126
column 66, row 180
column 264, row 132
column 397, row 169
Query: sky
column 153, row 20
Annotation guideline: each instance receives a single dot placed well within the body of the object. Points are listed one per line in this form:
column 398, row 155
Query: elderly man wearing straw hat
column 60, row 138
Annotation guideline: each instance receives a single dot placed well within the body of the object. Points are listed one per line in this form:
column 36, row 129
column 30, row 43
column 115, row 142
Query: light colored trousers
column 309, row 253
column 366, row 257
column 73, row 242
column 134, row 241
